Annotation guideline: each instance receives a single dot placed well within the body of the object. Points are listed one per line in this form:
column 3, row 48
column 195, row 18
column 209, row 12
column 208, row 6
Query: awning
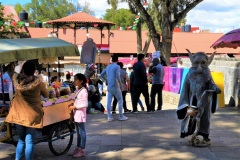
column 34, row 48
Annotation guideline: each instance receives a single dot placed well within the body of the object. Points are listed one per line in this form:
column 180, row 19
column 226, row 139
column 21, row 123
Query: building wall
column 230, row 67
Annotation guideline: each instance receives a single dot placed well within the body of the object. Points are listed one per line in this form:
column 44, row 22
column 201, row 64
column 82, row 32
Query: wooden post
column 53, row 29
column 75, row 33
column 101, row 34
column 57, row 30
column 59, row 74
column 87, row 32
column 109, row 36
column 49, row 74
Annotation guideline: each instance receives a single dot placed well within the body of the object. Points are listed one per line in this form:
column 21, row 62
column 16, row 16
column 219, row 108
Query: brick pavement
column 149, row 136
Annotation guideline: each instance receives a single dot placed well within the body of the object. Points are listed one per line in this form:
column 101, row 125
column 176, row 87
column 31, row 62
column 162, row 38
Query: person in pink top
column 79, row 111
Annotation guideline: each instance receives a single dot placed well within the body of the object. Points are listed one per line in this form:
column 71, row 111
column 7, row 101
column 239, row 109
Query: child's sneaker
column 80, row 153
column 74, row 152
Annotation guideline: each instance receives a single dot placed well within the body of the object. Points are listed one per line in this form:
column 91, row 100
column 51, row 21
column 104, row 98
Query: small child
column 79, row 111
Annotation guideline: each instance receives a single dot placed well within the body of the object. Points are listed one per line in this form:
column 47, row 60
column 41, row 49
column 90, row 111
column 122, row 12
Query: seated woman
column 94, row 97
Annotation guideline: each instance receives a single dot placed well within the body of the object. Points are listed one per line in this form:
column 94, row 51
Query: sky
column 215, row 15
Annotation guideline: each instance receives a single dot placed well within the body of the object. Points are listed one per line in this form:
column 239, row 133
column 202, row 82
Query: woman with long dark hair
column 26, row 110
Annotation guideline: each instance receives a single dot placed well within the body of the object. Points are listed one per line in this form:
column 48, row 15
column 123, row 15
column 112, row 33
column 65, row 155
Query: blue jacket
column 113, row 76
column 140, row 74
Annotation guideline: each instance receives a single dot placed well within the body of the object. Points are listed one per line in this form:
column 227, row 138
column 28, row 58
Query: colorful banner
column 104, row 48
column 185, row 71
column 175, row 79
column 218, row 78
column 166, row 86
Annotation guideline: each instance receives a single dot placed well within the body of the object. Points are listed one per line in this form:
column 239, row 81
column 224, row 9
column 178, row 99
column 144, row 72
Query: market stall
column 56, row 114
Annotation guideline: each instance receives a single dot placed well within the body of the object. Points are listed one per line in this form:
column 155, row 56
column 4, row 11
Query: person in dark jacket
column 140, row 83
column 157, row 84
column 70, row 83
column 131, row 88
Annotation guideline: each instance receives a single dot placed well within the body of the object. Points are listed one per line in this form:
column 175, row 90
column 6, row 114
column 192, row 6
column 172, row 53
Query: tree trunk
column 148, row 19
column 167, row 33
column 139, row 36
column 147, row 44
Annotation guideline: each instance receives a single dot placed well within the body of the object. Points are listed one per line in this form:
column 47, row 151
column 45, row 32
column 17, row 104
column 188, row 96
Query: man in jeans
column 125, row 80
column 140, row 83
column 157, row 84
column 114, row 87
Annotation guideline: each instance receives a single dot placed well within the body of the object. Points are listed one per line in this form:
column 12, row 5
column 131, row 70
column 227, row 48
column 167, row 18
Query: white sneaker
column 110, row 119
column 123, row 118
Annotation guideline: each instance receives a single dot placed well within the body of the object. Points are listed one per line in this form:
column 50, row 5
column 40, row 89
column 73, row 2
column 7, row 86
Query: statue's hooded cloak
column 193, row 89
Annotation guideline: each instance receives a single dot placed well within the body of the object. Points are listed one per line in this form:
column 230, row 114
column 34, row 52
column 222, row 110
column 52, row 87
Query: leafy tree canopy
column 122, row 17
column 45, row 10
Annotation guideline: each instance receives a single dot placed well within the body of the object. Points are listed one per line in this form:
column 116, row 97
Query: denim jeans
column 81, row 135
column 26, row 137
column 116, row 92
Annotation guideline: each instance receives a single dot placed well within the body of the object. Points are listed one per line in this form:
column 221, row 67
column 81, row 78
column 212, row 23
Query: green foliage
column 122, row 17
column 18, row 8
column 113, row 3
column 10, row 31
column 182, row 21
column 45, row 10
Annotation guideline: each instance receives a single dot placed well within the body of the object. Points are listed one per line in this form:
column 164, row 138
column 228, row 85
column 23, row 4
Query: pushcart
column 57, row 130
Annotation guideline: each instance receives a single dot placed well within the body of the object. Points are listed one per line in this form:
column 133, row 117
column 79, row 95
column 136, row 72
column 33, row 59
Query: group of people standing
column 118, row 79
column 27, row 113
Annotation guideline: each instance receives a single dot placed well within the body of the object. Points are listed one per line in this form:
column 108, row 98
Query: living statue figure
column 198, row 100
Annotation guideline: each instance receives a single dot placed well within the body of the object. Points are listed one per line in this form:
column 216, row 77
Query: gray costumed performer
column 198, row 100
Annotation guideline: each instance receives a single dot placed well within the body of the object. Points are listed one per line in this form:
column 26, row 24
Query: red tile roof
column 81, row 17
column 125, row 42
column 8, row 10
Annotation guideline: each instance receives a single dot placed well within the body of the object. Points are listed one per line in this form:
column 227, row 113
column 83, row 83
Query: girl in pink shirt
column 79, row 111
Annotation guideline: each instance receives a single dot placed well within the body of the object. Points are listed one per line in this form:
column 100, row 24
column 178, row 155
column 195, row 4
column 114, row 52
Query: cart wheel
column 59, row 144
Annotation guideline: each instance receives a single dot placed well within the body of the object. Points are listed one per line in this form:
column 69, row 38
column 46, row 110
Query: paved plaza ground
column 149, row 136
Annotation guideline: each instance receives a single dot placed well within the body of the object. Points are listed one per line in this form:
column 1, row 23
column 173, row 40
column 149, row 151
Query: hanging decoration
column 14, row 24
column 64, row 30
column 146, row 5
column 21, row 23
column 95, row 25
column 72, row 25
column 137, row 19
column 8, row 23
